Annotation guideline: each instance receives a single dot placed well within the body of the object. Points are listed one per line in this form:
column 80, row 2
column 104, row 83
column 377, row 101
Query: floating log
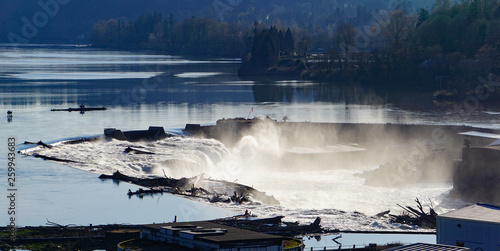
column 135, row 151
column 205, row 188
column 150, row 182
column 72, row 141
column 44, row 157
column 141, row 191
column 43, row 144
column 40, row 143
column 82, row 108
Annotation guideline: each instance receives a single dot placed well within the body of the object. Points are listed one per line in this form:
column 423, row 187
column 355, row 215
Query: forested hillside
column 457, row 42
column 73, row 20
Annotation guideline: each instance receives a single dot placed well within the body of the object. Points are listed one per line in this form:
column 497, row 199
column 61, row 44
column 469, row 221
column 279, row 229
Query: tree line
column 193, row 36
column 312, row 23
column 460, row 40
column 452, row 40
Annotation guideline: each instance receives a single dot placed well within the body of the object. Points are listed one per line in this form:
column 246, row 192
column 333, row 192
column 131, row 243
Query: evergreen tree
column 281, row 43
column 289, row 42
column 264, row 49
column 423, row 15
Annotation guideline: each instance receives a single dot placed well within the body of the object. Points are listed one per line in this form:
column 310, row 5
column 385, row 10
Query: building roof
column 496, row 143
column 428, row 247
column 478, row 212
column 232, row 234
column 481, row 135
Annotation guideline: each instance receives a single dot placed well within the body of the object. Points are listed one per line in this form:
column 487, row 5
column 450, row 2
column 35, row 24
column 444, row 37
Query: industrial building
column 476, row 227
column 210, row 236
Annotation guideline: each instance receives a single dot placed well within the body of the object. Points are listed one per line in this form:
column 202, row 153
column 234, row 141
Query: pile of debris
column 198, row 186
column 416, row 217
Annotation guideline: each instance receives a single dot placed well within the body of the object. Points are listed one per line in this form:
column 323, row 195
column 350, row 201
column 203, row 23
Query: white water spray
column 262, row 159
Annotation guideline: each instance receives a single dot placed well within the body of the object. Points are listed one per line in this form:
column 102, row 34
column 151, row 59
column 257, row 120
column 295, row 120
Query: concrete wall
column 477, row 177
column 230, row 131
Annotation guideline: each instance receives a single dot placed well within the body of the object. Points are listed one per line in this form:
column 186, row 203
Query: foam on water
column 176, row 156
column 338, row 196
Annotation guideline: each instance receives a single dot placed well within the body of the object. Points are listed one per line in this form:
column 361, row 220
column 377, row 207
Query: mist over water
column 311, row 173
column 334, row 190
column 321, row 183
column 306, row 189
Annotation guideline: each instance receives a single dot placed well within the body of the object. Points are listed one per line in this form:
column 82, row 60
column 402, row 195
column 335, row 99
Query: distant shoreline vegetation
column 193, row 36
column 447, row 47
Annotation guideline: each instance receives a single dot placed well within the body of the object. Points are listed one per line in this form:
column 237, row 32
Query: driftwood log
column 419, row 217
column 82, row 108
column 136, row 151
column 44, row 157
column 195, row 187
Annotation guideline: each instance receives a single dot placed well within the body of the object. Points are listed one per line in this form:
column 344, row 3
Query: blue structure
column 476, row 227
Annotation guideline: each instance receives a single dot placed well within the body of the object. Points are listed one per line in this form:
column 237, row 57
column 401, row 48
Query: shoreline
column 444, row 88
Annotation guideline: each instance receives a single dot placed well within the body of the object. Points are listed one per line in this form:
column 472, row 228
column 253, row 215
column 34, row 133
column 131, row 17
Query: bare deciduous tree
column 344, row 36
column 400, row 26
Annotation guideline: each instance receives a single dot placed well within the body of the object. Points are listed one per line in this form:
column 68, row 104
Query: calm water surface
column 142, row 89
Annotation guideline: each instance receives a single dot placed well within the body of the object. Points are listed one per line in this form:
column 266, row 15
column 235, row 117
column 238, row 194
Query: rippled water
column 143, row 90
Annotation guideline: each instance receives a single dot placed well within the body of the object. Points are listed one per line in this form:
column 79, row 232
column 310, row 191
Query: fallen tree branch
column 50, row 223
column 418, row 217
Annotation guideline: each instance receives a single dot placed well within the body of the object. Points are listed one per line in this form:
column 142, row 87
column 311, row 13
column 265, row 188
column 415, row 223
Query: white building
column 476, row 227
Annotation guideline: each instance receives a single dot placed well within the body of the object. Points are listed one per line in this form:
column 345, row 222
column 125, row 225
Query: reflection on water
column 84, row 75
column 143, row 90
column 314, row 92
column 197, row 74
column 200, row 90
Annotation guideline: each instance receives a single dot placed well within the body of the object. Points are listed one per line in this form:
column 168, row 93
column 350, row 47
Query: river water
column 143, row 89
